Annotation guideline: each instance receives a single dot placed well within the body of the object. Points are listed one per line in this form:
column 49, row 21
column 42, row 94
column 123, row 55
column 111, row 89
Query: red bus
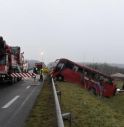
column 89, row 78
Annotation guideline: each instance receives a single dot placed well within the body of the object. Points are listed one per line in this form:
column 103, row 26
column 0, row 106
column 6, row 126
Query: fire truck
column 11, row 61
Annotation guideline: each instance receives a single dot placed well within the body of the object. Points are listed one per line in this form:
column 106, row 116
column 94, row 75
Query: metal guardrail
column 57, row 106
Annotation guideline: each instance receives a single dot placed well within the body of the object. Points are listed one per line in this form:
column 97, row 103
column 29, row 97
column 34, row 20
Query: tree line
column 106, row 68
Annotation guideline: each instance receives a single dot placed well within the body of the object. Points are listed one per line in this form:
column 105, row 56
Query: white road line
column 28, row 87
column 10, row 102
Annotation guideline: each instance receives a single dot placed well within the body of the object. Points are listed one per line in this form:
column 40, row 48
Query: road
column 16, row 102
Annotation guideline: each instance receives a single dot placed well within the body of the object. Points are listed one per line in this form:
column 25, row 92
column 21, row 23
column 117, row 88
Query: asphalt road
column 16, row 102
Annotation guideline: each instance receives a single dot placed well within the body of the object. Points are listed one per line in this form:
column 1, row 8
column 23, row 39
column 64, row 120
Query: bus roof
column 86, row 67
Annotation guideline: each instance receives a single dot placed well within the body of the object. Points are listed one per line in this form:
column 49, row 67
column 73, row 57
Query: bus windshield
column 56, row 62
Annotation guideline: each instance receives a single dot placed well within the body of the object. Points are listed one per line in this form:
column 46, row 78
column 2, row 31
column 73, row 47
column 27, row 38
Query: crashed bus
column 89, row 78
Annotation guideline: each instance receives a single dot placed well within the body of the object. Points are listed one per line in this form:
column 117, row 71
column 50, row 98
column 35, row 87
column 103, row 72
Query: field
column 89, row 110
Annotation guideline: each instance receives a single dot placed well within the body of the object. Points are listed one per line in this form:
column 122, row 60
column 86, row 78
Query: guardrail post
column 67, row 116
column 59, row 94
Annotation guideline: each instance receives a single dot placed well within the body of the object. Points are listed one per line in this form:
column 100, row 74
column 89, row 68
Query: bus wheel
column 93, row 91
column 60, row 78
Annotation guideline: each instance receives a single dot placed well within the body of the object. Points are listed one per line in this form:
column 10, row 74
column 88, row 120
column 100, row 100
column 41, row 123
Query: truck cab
column 10, row 61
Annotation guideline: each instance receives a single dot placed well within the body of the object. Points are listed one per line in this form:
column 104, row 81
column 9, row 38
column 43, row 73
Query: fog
column 80, row 30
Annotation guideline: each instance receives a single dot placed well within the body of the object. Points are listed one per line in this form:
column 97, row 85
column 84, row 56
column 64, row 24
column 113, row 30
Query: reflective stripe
column 23, row 75
column 18, row 74
column 14, row 75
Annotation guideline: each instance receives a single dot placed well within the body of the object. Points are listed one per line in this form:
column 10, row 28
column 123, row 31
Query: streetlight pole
column 42, row 53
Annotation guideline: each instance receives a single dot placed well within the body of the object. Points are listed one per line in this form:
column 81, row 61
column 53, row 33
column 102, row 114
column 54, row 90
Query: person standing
column 101, row 88
column 41, row 74
column 35, row 70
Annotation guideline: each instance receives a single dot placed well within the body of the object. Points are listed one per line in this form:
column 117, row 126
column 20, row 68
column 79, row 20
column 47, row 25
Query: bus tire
column 114, row 92
column 93, row 91
column 60, row 78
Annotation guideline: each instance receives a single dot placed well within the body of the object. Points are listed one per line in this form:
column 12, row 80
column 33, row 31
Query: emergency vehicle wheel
column 11, row 82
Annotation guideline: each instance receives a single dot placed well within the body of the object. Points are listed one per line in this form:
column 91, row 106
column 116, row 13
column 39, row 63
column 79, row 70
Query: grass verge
column 43, row 112
column 89, row 110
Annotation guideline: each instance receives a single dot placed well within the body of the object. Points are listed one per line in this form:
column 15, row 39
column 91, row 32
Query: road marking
column 10, row 102
column 20, row 107
column 28, row 87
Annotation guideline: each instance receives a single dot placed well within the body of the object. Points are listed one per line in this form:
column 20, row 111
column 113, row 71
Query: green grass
column 91, row 111
column 43, row 112
column 87, row 109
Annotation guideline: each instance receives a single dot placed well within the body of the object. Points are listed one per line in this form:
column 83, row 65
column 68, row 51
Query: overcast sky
column 80, row 30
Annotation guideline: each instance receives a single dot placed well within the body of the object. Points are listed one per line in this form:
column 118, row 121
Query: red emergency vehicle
column 39, row 66
column 11, row 61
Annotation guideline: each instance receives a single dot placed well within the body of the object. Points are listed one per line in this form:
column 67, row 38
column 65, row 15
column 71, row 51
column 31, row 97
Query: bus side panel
column 71, row 76
column 109, row 90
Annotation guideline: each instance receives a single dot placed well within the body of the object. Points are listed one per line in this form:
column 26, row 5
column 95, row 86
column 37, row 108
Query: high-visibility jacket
column 45, row 70
column 41, row 71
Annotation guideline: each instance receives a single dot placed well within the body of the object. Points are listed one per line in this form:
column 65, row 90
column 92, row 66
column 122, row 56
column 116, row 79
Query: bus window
column 80, row 70
column 60, row 66
column 75, row 68
column 69, row 65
